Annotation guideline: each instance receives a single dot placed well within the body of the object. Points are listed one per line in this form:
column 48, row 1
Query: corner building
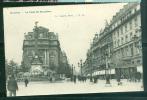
column 127, row 44
column 42, row 54
column 118, row 46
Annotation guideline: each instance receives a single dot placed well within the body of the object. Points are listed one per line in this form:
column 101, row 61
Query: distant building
column 118, row 46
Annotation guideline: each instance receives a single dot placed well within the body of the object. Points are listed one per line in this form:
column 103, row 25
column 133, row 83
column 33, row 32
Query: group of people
column 12, row 85
column 84, row 79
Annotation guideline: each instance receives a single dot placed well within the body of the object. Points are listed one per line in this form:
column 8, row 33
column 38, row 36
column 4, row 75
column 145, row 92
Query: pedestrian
column 26, row 81
column 95, row 79
column 119, row 81
column 75, row 78
column 12, row 86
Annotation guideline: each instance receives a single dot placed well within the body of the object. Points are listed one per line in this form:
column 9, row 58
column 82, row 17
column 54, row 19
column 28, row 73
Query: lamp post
column 134, row 70
column 72, row 72
column 91, row 68
column 107, row 54
column 138, row 46
column 80, row 65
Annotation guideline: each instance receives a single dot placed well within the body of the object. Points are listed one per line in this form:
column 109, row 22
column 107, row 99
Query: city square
column 61, row 88
column 69, row 57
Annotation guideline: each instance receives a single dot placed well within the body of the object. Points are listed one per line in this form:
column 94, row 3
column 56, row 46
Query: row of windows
column 124, row 29
column 41, row 36
column 126, row 38
column 128, row 51
column 129, row 13
column 126, row 16
column 122, row 40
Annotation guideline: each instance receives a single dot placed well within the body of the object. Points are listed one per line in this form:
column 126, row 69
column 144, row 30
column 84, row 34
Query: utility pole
column 107, row 54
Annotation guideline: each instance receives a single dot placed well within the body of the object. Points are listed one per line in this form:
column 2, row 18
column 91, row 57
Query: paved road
column 47, row 88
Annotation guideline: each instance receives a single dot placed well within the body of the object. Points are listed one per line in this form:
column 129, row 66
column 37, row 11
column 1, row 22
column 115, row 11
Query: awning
column 112, row 71
column 102, row 72
column 140, row 69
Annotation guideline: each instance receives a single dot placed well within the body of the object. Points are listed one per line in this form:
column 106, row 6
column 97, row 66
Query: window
column 125, row 27
column 122, row 40
column 135, row 10
column 114, row 35
column 30, row 36
column 131, row 47
column 135, row 21
column 118, row 33
column 41, row 35
column 122, row 51
column 130, row 24
column 126, row 50
column 130, row 35
column 138, row 62
column 118, row 42
column 121, row 30
column 126, row 38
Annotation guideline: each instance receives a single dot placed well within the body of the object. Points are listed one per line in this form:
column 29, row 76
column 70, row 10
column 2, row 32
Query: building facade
column 116, row 50
column 42, row 54
column 127, row 51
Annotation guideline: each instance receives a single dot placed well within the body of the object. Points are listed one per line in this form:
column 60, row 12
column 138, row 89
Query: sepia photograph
column 73, row 49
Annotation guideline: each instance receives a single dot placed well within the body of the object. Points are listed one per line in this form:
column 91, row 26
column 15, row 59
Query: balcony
column 127, row 58
column 28, row 43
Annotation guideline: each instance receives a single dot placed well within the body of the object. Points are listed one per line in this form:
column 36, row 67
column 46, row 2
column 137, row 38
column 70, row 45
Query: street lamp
column 90, row 65
column 138, row 45
column 107, row 68
column 72, row 72
column 80, row 65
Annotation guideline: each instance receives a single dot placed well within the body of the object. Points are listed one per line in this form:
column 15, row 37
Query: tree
column 13, row 67
column 23, row 68
column 8, row 69
column 64, row 68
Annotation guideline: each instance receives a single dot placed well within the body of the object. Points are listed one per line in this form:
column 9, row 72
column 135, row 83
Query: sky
column 75, row 25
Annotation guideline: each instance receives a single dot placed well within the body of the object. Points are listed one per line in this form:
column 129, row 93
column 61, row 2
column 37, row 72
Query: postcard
column 73, row 49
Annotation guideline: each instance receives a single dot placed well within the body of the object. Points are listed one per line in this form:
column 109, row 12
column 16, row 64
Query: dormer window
column 51, row 37
column 29, row 37
column 41, row 35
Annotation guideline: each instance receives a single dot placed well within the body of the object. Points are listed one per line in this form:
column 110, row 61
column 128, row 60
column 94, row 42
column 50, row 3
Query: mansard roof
column 44, row 33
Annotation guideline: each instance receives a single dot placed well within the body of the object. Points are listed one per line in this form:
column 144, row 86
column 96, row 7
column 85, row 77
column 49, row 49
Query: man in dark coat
column 26, row 82
column 75, row 78
column 12, row 86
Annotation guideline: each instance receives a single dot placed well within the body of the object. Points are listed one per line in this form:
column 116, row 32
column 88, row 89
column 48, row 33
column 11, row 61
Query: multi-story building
column 99, row 53
column 64, row 69
column 127, row 51
column 42, row 53
column 118, row 46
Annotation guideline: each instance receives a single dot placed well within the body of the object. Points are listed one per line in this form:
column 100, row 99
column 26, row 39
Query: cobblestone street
column 46, row 88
